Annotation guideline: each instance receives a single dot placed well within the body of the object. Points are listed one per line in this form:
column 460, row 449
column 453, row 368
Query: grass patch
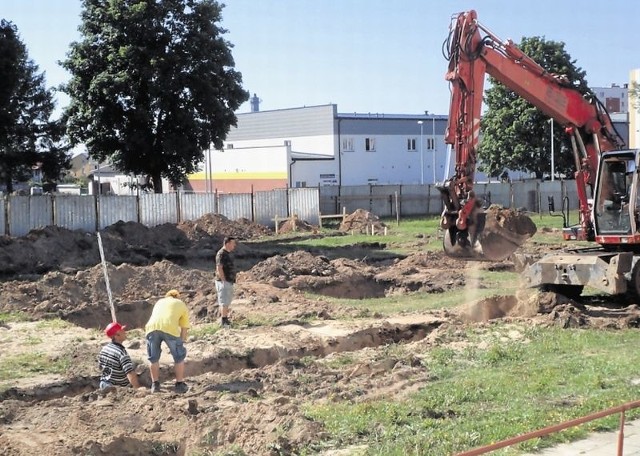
column 55, row 323
column 204, row 331
column 412, row 302
column 480, row 396
column 29, row 364
column 13, row 317
column 497, row 283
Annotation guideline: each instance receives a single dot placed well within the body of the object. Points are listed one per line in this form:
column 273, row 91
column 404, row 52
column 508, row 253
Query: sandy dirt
column 249, row 385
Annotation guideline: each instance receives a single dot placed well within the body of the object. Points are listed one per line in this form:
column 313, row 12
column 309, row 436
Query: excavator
column 607, row 175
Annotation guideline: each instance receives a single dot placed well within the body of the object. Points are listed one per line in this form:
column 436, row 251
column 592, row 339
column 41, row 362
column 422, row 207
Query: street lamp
column 433, row 143
column 553, row 171
column 420, row 122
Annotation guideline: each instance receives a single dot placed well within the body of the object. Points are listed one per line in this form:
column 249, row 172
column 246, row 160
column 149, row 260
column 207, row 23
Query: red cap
column 113, row 328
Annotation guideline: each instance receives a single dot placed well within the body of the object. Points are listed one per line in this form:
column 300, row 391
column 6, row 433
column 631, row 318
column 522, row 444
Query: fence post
column 397, row 210
column 178, row 214
column 96, row 205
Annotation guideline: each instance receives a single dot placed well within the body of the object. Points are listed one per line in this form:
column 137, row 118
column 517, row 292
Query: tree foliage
column 515, row 134
column 27, row 135
column 153, row 85
column 634, row 94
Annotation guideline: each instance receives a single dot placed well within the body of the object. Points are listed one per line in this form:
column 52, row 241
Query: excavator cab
column 616, row 206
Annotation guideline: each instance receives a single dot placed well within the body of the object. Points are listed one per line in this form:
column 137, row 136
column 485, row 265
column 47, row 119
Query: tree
column 634, row 94
column 515, row 134
column 26, row 133
column 153, row 85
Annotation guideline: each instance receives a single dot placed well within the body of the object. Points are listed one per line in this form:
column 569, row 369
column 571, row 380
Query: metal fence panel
column 270, row 204
column 354, row 197
column 497, row 193
column 3, row 219
column 235, row 206
column 29, row 212
column 112, row 209
column 383, row 199
column 19, row 215
column 158, row 208
column 41, row 210
column 329, row 200
column 414, row 200
column 550, row 189
column 525, row 194
column 305, row 203
column 195, row 205
column 75, row 212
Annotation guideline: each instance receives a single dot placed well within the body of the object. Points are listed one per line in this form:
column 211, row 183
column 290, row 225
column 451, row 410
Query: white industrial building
column 316, row 145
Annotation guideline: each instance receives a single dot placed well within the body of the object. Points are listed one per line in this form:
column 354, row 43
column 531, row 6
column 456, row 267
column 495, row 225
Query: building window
column 301, row 184
column 411, row 143
column 369, row 144
column 347, row 144
column 431, row 143
column 229, row 146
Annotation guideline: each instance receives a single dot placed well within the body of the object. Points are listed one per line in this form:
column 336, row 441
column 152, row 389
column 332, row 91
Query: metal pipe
column 556, row 428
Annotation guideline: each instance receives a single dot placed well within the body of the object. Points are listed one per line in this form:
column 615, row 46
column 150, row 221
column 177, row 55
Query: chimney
column 255, row 103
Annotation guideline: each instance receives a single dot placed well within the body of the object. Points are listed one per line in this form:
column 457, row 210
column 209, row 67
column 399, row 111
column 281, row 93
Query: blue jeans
column 104, row 385
column 175, row 344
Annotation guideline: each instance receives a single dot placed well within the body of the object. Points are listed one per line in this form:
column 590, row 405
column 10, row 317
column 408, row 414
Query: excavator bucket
column 493, row 235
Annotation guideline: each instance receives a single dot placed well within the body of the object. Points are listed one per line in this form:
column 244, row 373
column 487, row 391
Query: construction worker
column 225, row 278
column 169, row 323
column 116, row 368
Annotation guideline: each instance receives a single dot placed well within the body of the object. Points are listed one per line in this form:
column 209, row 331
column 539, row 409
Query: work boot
column 155, row 387
column 181, row 387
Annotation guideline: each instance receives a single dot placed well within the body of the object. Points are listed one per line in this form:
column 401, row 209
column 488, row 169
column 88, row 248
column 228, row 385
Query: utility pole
column 420, row 122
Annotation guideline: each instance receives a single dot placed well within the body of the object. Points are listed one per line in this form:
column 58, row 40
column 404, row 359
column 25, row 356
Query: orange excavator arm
column 473, row 52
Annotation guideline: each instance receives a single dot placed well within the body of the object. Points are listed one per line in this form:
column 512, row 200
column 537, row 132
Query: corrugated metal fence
column 409, row 200
column 20, row 214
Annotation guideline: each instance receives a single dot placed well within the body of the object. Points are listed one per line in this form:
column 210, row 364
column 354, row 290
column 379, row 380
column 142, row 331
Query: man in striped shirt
column 116, row 368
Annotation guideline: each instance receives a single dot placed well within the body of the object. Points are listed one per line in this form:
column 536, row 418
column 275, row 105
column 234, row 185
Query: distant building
column 615, row 98
column 316, row 145
column 82, row 165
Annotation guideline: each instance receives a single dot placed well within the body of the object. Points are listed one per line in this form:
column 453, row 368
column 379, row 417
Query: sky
column 365, row 56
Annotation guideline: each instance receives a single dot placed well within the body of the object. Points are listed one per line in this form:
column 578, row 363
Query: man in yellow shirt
column 168, row 323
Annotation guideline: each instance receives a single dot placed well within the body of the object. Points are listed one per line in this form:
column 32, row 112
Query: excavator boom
column 473, row 52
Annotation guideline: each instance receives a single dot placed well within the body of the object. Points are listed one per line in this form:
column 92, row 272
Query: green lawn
column 478, row 396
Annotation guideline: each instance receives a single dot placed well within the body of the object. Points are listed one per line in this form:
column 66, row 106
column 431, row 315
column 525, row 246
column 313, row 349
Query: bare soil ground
column 248, row 384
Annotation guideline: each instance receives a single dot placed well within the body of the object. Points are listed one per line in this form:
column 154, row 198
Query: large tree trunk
column 156, row 178
column 9, row 182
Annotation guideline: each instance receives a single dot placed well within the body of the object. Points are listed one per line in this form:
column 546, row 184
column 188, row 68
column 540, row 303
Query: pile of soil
column 54, row 248
column 221, row 226
column 363, row 222
column 294, row 224
column 82, row 297
column 281, row 268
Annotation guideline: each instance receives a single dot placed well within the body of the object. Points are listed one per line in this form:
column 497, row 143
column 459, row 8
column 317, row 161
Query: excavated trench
column 323, row 341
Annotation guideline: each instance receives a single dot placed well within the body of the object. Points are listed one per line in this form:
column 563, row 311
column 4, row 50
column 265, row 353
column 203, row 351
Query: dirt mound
column 54, row 248
column 220, row 226
column 362, row 222
column 281, row 269
column 82, row 297
column 294, row 224
column 527, row 303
